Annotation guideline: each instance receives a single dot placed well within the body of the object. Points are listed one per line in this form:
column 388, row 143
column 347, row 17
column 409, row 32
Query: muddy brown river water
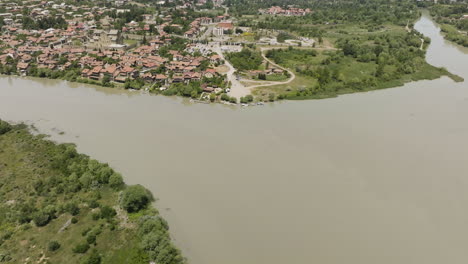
column 377, row 177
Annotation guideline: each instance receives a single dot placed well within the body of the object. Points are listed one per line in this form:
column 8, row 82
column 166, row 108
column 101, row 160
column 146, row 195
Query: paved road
column 237, row 88
column 207, row 33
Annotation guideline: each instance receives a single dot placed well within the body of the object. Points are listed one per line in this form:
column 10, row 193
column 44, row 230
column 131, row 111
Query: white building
column 218, row 31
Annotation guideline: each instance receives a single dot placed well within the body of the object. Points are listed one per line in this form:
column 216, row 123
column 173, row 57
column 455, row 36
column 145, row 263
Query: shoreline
column 255, row 92
column 396, row 84
column 100, row 197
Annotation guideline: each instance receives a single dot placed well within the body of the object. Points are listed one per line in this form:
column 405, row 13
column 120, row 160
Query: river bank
column 61, row 206
column 376, row 177
column 366, row 61
column 300, row 87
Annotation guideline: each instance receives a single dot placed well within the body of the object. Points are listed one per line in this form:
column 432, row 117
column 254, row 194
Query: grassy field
column 298, row 84
column 130, row 41
column 348, row 75
column 51, row 194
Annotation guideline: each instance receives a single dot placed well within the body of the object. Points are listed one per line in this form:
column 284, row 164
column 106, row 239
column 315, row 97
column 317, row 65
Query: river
column 377, row 177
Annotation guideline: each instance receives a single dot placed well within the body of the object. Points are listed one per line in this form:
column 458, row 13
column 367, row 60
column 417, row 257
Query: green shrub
column 81, row 248
column 53, row 246
column 95, row 216
column 41, row 219
column 72, row 208
column 94, row 258
column 115, row 180
column 108, row 212
column 246, row 59
column 4, row 127
column 224, row 97
column 86, row 231
column 93, row 204
column 91, row 239
column 233, row 100
column 135, row 198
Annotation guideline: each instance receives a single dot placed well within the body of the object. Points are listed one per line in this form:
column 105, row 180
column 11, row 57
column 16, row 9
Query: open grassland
column 328, row 73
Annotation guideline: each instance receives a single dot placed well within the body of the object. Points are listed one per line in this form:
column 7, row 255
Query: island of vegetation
column 59, row 206
column 225, row 50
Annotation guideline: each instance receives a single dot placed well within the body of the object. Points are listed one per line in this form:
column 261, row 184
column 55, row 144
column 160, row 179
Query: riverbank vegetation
column 453, row 20
column 358, row 46
column 361, row 63
column 59, row 206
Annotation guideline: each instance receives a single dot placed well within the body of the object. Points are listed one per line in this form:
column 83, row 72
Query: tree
column 4, row 127
column 115, row 180
column 105, row 80
column 135, row 198
column 53, row 246
column 107, row 212
column 233, row 100
column 81, row 248
column 41, row 218
column 127, row 84
column 380, row 70
column 86, row 179
column 94, row 258
column 246, row 59
column 72, row 208
column 91, row 239
column 224, row 97
column 194, row 94
column 103, row 174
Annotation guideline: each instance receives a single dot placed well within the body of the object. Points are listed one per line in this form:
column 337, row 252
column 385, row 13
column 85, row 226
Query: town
column 172, row 50
column 214, row 51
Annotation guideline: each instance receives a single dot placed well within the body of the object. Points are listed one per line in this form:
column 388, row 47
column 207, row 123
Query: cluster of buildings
column 222, row 27
column 146, row 64
column 114, row 65
column 92, row 48
column 216, row 3
column 291, row 11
